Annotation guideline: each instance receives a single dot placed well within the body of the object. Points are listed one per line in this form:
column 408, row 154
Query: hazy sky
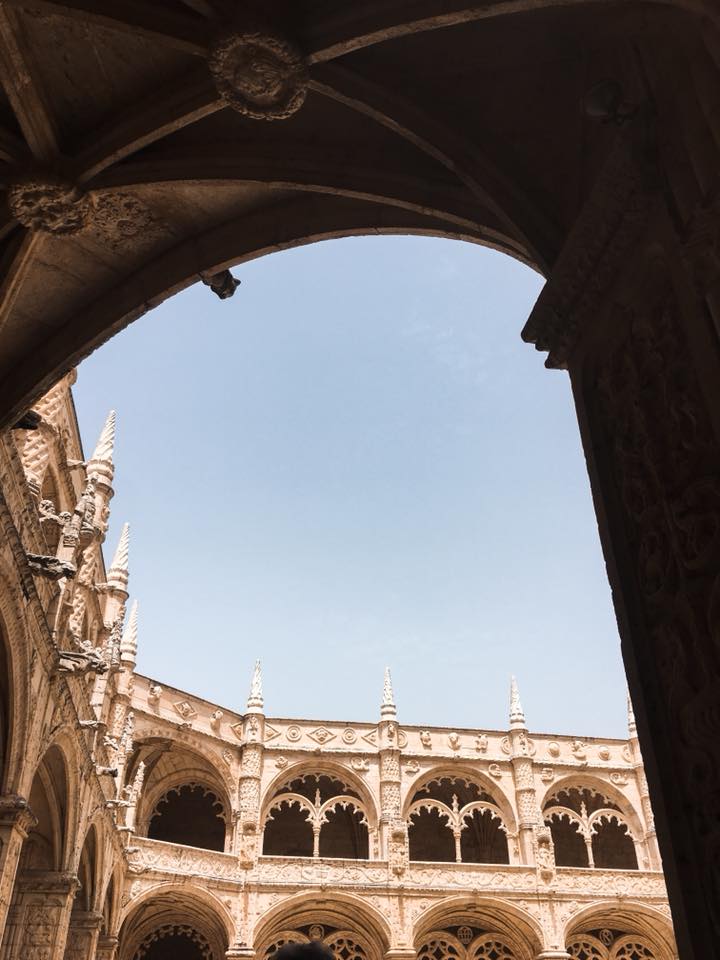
column 357, row 462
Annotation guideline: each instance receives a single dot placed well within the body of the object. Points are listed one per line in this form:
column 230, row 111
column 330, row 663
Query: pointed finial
column 632, row 726
column 517, row 716
column 255, row 700
column 106, row 441
column 118, row 572
column 387, row 708
column 128, row 644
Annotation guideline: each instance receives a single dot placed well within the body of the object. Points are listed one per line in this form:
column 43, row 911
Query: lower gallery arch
column 461, row 928
column 168, row 923
column 620, row 930
column 347, row 925
column 42, row 857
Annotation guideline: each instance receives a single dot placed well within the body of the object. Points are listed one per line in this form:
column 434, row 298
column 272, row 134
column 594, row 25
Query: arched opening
column 43, row 851
column 45, row 846
column 623, row 930
column 589, row 829
column 347, row 926
column 430, row 837
column 87, row 872
column 453, row 819
column 612, row 846
column 174, row 941
column 316, row 815
column 191, row 815
column 481, row 929
column 183, row 925
column 184, row 799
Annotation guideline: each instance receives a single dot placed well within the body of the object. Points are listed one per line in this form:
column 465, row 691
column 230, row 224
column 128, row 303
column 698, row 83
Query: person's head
column 304, row 951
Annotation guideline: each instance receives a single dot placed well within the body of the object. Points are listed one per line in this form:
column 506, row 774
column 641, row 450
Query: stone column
column 240, row 952
column 621, row 313
column 106, row 948
column 83, row 934
column 16, row 820
column 400, row 953
column 37, row 924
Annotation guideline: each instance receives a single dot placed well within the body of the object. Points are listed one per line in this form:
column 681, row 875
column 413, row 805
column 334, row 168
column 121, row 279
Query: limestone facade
column 140, row 822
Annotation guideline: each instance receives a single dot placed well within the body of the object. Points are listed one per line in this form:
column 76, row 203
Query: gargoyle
column 50, row 567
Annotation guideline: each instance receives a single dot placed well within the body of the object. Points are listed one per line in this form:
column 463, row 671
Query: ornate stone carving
column 49, row 203
column 259, row 73
column 89, row 660
column 50, row 567
column 122, row 218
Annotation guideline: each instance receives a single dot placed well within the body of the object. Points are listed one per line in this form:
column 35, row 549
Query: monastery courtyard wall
column 139, row 822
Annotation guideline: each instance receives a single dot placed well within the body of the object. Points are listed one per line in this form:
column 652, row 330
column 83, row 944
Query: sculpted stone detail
column 48, row 203
column 660, row 434
column 121, row 218
column 259, row 74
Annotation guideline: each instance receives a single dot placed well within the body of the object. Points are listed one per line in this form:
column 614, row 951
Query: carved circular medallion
column 293, row 733
column 259, row 74
column 554, row 749
column 48, row 203
column 349, row 735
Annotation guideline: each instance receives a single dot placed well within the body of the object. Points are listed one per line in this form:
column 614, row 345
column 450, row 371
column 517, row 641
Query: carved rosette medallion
column 48, row 203
column 259, row 74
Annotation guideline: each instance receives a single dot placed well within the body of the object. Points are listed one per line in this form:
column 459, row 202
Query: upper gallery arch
column 456, row 815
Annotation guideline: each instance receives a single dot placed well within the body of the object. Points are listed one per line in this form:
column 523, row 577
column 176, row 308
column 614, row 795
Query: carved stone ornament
column 50, row 567
column 258, row 73
column 49, row 203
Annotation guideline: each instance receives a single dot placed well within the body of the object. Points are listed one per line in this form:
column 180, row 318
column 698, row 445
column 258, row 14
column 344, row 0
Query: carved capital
column 15, row 812
column 259, row 73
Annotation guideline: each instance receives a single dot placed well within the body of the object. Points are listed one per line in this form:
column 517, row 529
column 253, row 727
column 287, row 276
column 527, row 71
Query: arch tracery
column 453, row 818
column 316, row 815
column 590, row 828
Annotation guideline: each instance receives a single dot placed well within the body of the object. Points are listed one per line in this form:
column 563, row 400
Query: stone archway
column 579, row 136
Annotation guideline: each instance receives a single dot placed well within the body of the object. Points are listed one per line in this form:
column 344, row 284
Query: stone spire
column 632, row 727
column 106, row 442
column 119, row 568
column 128, row 644
column 255, row 700
column 387, row 708
column 517, row 715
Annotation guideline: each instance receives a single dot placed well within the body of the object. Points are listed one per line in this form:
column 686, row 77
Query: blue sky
column 356, row 461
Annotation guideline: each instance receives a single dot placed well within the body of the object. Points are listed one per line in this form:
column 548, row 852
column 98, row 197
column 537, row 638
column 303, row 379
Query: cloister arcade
column 142, row 147
column 139, row 822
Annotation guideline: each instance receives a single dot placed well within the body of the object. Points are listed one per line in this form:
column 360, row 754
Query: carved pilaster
column 37, row 923
column 16, row 819
column 644, row 361
column 393, row 830
column 106, row 948
column 247, row 820
column 83, row 934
